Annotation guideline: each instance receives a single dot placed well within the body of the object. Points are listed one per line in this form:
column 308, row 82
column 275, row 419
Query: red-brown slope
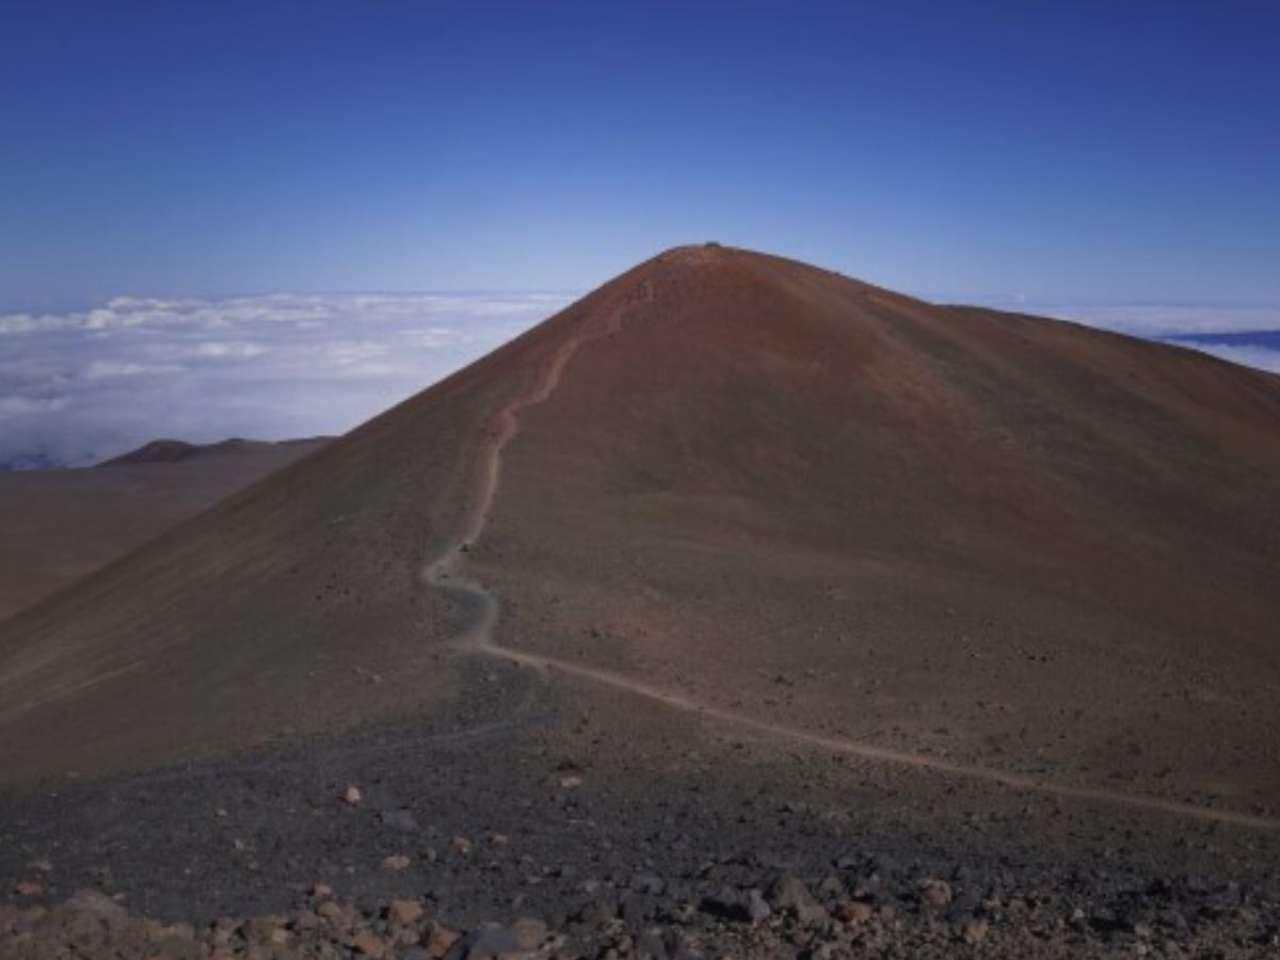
column 61, row 524
column 1013, row 541
column 1006, row 540
column 295, row 606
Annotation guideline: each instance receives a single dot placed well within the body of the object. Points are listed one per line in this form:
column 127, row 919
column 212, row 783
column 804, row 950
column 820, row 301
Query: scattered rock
column 630, row 913
column 401, row 821
column 440, row 940
column 368, row 944
column 333, row 912
column 404, row 912
column 975, row 931
column 789, row 894
column 492, row 940
column 263, row 930
column 854, row 912
column 99, row 905
column 750, row 907
column 934, row 892
column 529, row 932
column 352, row 796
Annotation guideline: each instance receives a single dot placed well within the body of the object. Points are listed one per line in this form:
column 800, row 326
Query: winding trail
column 444, row 573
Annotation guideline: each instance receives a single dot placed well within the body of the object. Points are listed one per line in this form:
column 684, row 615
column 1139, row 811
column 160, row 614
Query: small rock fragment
column 396, row 863
column 495, row 940
column 352, row 796
column 788, row 893
column 757, row 908
column 100, row 905
column 934, row 892
column 401, row 821
column 529, row 932
column 854, row 912
column 975, row 931
column 369, row 944
column 404, row 912
column 728, row 903
column 440, row 940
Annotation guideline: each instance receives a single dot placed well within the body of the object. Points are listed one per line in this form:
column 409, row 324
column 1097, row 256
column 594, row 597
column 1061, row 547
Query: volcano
column 751, row 491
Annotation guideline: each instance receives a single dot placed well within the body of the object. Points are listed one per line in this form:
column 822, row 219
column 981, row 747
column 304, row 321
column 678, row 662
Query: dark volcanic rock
column 789, row 895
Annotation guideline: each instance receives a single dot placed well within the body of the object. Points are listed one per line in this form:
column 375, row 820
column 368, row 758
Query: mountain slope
column 61, row 524
column 1015, row 543
column 179, row 451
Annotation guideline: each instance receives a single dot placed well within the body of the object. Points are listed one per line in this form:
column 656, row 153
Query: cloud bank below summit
column 79, row 387
column 1243, row 335
column 1247, row 335
column 76, row 388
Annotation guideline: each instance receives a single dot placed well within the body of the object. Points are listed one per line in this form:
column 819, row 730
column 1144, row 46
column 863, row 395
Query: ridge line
column 442, row 573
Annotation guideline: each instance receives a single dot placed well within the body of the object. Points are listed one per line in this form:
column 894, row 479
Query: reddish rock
column 368, row 944
column 404, row 912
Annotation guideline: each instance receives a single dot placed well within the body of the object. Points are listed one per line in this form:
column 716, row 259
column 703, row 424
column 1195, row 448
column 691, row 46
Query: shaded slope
column 295, row 606
column 774, row 489
column 179, row 451
column 61, row 524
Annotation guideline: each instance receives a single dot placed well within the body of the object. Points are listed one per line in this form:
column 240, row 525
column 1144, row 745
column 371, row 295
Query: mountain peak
column 718, row 463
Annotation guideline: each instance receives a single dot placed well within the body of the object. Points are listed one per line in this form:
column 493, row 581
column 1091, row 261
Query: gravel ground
column 526, row 819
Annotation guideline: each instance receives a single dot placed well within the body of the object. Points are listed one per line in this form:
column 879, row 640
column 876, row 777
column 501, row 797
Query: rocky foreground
column 861, row 907
column 493, row 834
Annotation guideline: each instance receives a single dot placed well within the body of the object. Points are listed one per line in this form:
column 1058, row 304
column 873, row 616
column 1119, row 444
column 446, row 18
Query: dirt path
column 444, row 573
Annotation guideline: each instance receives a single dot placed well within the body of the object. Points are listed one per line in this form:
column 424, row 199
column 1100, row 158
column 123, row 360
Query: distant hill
column 177, row 451
column 61, row 524
column 29, row 461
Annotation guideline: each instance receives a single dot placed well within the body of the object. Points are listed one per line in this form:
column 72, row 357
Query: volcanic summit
column 732, row 553
column 950, row 531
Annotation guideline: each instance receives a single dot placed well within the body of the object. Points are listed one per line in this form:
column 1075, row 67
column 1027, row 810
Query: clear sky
column 1062, row 152
column 224, row 217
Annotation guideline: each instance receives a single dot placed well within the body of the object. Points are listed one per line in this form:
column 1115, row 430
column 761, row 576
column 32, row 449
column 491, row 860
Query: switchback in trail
column 445, row 573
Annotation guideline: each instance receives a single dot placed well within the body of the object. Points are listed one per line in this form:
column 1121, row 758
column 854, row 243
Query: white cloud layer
column 1164, row 322
column 1172, row 323
column 1262, row 358
column 78, row 387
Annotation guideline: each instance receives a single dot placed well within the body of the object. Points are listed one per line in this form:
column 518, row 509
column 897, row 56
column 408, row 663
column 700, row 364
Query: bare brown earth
column 961, row 580
column 996, row 540
column 60, row 525
column 1000, row 540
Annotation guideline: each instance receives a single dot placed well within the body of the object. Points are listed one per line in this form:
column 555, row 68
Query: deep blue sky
column 1107, row 152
